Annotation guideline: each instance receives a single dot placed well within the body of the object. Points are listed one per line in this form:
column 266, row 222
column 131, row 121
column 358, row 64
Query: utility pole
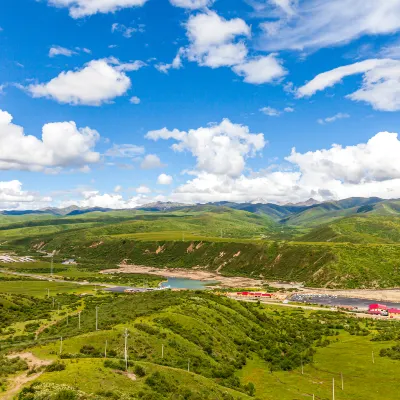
column 105, row 350
column 61, row 343
column 97, row 318
column 126, row 348
column 53, row 303
column 67, row 319
column 333, row 388
column 302, row 367
column 373, row 358
column 79, row 320
column 341, row 376
column 162, row 351
column 48, row 293
column 51, row 266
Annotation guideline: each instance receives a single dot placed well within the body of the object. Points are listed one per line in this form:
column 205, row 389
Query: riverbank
column 381, row 295
column 200, row 275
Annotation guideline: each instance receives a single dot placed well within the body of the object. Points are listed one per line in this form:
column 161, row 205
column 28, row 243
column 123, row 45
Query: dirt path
column 18, row 382
column 201, row 275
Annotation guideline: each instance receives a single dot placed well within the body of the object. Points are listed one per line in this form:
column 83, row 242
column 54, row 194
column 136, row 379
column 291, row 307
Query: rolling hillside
column 362, row 228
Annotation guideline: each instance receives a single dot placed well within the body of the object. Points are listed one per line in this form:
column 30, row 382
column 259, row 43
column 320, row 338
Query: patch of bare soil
column 18, row 382
column 201, row 275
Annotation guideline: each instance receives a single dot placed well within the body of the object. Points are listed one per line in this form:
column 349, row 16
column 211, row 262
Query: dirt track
column 18, row 382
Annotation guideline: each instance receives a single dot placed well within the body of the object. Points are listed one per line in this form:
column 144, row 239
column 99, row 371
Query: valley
column 198, row 344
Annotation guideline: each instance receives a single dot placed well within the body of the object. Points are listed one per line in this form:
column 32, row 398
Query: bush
column 55, row 366
column 139, row 371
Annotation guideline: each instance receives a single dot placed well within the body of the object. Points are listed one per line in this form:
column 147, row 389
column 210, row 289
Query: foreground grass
column 352, row 356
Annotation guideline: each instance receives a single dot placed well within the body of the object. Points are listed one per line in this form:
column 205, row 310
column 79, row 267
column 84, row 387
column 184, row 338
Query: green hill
column 194, row 346
column 363, row 228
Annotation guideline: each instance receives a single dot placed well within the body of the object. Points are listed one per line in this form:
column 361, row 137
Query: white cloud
column 192, row 4
column 62, row 145
column 143, row 190
column 151, row 161
column 261, row 69
column 126, row 31
column 176, row 62
column 366, row 169
column 134, row 100
column 334, row 118
column 13, row 197
column 96, row 83
column 271, row 112
column 117, row 188
column 94, row 198
column 321, row 23
column 83, row 8
column 380, row 87
column 219, row 149
column 125, row 150
column 212, row 40
column 164, row 179
column 376, row 160
column 61, row 51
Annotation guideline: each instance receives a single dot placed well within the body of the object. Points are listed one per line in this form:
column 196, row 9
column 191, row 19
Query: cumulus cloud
column 164, row 179
column 96, row 83
column 134, row 100
column 61, row 51
column 192, row 4
column 220, row 149
column 63, row 144
column 125, row 150
column 365, row 169
column 334, row 118
column 367, row 162
column 93, row 198
column 380, row 87
column 143, row 190
column 151, row 161
column 261, row 69
column 13, row 197
column 83, row 8
column 213, row 40
column 314, row 24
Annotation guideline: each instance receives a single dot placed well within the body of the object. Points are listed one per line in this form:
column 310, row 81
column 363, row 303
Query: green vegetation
column 234, row 350
column 352, row 243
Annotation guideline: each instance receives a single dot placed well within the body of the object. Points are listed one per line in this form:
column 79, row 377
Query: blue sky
column 237, row 84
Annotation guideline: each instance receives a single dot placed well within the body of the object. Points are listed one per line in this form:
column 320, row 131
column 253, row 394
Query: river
column 173, row 283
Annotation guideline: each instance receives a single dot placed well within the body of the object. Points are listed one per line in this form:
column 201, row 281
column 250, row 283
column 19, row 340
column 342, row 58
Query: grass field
column 351, row 356
column 39, row 288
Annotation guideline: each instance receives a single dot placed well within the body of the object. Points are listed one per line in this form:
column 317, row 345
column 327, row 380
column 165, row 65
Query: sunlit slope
column 363, row 228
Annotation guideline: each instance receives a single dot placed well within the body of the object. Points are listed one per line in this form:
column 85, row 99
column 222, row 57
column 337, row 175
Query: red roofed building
column 377, row 309
column 394, row 313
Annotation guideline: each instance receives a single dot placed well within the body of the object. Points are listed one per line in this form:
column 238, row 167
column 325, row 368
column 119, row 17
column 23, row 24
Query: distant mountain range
column 309, row 213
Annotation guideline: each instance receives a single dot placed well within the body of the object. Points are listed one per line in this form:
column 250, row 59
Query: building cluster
column 252, row 294
column 385, row 311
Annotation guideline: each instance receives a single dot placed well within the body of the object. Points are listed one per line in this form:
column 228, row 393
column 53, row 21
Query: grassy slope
column 214, row 333
column 363, row 228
